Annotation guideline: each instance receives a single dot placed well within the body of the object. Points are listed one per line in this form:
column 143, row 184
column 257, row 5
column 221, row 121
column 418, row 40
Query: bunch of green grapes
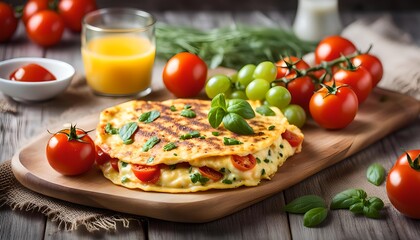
column 255, row 82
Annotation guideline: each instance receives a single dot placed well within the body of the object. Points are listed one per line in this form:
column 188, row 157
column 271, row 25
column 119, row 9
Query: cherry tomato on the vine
column 358, row 79
column 32, row 7
column 73, row 11
column 71, row 151
column 334, row 107
column 372, row 64
column 185, row 75
column 8, row 22
column 32, row 73
column 333, row 47
column 403, row 182
column 301, row 88
column 45, row 28
column 283, row 70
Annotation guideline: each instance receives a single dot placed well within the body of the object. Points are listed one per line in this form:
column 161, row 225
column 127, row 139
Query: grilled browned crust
column 171, row 125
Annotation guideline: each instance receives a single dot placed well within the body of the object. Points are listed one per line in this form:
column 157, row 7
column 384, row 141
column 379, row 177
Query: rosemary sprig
column 231, row 47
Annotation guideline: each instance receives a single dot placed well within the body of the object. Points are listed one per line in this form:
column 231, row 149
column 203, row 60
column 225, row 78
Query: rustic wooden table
column 263, row 220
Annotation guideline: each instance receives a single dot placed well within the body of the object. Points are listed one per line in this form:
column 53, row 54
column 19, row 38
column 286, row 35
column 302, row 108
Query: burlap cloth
column 388, row 41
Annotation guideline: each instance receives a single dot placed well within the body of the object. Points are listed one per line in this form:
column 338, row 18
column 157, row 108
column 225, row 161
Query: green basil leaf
column 219, row 101
column 169, row 146
column 215, row 133
column 189, row 135
column 373, row 207
column 149, row 117
column 150, row 160
column 265, row 110
column 357, row 207
column 371, row 212
column 189, row 113
column 235, row 123
column 196, row 177
column 150, row 143
column 375, row 203
column 111, row 130
column 231, row 141
column 215, row 116
column 240, row 107
column 173, row 108
column 345, row 199
column 376, row 174
column 315, row 216
column 305, row 203
column 127, row 131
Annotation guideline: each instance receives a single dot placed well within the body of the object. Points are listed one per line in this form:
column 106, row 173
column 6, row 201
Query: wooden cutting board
column 383, row 113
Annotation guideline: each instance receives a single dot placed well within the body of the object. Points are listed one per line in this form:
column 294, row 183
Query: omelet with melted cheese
column 177, row 152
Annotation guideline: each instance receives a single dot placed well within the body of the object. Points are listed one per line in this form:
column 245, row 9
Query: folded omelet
column 171, row 147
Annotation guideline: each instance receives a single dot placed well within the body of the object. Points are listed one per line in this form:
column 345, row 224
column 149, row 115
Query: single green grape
column 217, row 84
column 237, row 94
column 278, row 96
column 257, row 89
column 295, row 114
column 266, row 70
column 234, row 77
column 245, row 74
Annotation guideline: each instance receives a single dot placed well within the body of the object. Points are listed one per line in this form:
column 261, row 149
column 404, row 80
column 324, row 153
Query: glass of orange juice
column 118, row 51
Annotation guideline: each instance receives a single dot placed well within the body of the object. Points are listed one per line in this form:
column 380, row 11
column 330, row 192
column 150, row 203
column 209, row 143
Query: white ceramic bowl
column 35, row 91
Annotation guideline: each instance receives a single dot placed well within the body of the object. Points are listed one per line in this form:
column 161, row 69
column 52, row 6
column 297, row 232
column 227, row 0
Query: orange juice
column 118, row 64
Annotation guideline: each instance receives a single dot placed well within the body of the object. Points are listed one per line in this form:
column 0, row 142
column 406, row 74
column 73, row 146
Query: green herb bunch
column 231, row 47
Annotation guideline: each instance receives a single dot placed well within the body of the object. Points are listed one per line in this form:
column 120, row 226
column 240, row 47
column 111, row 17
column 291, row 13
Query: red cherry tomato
column 8, row 22
column 333, row 47
column 32, row 7
column 32, row 73
column 73, row 11
column 45, row 28
column 283, row 71
column 402, row 184
column 293, row 139
column 114, row 164
column 71, row 151
column 244, row 163
column 185, row 75
column 358, row 79
column 372, row 64
column 210, row 173
column 146, row 173
column 334, row 109
column 300, row 88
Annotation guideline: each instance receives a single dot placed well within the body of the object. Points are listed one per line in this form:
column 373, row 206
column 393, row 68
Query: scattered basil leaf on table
column 345, row 199
column 315, row 216
column 376, row 174
column 305, row 203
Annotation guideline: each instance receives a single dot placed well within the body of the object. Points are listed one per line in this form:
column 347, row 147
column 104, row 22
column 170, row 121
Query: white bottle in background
column 316, row 19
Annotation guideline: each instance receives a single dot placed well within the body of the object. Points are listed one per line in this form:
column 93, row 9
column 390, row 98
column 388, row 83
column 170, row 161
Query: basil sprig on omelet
column 232, row 113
